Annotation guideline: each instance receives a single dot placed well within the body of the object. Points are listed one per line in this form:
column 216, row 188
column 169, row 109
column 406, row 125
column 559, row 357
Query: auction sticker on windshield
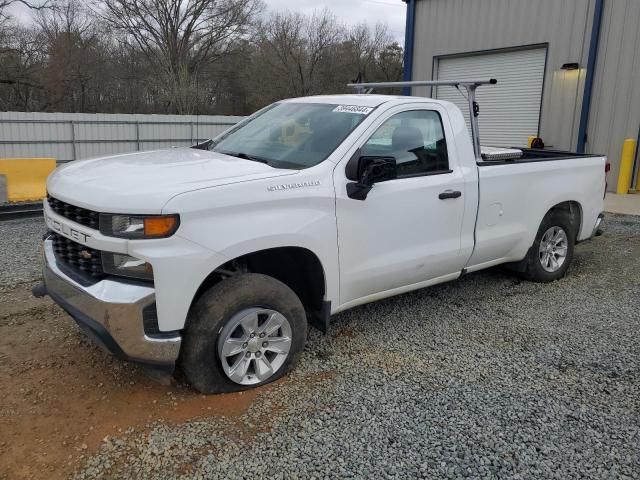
column 353, row 109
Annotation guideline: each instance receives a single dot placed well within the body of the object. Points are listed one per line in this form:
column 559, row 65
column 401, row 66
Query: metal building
column 568, row 70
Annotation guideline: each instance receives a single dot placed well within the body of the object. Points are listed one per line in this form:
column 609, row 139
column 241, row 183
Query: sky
column 391, row 12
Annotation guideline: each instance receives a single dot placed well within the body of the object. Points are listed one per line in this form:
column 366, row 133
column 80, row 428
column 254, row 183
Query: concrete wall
column 72, row 136
column 446, row 27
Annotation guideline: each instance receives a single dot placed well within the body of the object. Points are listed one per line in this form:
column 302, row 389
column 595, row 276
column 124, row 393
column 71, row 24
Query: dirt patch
column 61, row 395
column 347, row 332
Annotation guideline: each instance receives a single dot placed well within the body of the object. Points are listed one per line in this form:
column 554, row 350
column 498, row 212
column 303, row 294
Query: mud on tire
column 201, row 360
column 534, row 264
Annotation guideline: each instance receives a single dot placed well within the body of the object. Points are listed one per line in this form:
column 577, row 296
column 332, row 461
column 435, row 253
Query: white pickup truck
column 214, row 259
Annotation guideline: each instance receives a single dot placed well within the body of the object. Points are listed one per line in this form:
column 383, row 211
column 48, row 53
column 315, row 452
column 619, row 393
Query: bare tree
column 21, row 62
column 295, row 48
column 180, row 37
column 362, row 47
column 390, row 62
column 17, row 53
column 74, row 53
column 32, row 4
column 298, row 55
column 66, row 16
column 181, row 56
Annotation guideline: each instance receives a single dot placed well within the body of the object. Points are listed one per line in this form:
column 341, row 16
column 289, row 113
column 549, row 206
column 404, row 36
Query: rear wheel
column 244, row 332
column 552, row 252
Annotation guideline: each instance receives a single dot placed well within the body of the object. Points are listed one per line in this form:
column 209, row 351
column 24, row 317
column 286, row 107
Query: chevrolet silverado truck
column 213, row 260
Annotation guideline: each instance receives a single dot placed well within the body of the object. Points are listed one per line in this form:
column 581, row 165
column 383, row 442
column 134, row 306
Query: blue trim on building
column 408, row 44
column 591, row 70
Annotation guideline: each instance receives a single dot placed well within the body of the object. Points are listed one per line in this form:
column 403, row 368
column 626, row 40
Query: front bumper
column 111, row 313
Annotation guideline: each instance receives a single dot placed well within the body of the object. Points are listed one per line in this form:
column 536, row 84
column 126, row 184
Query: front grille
column 85, row 217
column 76, row 256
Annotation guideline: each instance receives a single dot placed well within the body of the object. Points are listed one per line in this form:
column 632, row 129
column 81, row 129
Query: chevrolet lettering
column 66, row 230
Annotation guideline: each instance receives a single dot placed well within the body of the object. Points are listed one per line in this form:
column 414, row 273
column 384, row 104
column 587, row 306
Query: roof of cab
column 361, row 100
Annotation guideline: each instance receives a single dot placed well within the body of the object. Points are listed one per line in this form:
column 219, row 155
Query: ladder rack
column 469, row 85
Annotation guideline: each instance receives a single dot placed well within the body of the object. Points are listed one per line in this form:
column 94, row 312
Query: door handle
column 449, row 194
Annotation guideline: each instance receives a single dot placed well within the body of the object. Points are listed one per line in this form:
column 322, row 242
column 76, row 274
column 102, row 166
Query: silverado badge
column 289, row 186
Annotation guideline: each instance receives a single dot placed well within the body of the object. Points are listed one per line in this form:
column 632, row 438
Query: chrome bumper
column 111, row 313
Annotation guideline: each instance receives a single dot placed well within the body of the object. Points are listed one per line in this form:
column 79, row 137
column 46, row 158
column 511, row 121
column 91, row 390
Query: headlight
column 138, row 226
column 126, row 266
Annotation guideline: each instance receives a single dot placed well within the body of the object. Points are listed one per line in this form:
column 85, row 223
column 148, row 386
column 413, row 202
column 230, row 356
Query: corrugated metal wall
column 615, row 104
column 71, row 136
column 445, row 27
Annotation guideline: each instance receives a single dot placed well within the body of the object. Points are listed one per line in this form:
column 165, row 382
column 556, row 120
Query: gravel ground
column 20, row 258
column 486, row 377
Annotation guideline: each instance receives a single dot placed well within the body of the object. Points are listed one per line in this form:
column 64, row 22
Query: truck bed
column 539, row 155
column 516, row 194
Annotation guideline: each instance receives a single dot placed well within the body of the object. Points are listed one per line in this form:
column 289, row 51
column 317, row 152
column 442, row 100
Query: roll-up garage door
column 510, row 110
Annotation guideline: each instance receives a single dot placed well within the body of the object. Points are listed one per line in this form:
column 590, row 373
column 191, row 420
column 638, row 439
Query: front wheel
column 552, row 251
column 244, row 332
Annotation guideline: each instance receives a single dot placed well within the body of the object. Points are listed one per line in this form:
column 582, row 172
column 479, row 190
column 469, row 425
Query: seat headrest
column 329, row 129
column 405, row 139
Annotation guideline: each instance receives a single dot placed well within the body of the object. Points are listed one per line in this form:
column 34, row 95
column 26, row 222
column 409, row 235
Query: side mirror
column 367, row 171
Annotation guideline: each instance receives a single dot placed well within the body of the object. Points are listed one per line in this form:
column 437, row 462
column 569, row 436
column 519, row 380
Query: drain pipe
column 591, row 67
column 635, row 172
column 407, row 72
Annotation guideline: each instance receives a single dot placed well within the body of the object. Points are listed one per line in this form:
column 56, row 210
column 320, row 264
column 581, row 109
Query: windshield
column 291, row 135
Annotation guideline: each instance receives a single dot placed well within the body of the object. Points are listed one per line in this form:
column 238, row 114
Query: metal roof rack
column 469, row 85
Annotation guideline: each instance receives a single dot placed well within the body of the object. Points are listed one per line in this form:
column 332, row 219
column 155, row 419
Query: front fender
column 179, row 268
column 239, row 219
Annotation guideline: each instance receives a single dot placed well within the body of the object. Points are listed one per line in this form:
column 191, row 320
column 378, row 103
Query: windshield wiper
column 206, row 145
column 246, row 156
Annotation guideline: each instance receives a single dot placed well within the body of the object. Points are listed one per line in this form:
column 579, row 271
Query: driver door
column 404, row 233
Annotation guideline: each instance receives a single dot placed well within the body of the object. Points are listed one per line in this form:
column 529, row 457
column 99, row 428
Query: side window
column 416, row 140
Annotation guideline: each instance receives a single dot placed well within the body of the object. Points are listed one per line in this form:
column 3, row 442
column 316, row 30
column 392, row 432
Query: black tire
column 533, row 269
column 199, row 360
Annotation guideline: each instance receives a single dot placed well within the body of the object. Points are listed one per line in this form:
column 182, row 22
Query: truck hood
column 144, row 182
